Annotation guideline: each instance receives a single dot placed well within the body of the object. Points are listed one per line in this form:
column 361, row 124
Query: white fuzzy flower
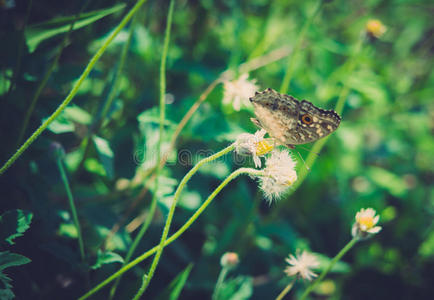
column 301, row 265
column 365, row 223
column 239, row 91
column 254, row 145
column 279, row 174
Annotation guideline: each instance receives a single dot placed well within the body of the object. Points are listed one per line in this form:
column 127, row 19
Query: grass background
column 380, row 157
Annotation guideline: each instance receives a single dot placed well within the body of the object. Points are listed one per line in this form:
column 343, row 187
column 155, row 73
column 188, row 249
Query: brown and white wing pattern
column 290, row 121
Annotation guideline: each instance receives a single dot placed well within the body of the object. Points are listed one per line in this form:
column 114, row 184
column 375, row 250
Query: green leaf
column 8, row 259
column 239, row 288
column 5, row 288
column 65, row 121
column 77, row 114
column 175, row 287
column 105, row 154
column 426, row 249
column 105, row 258
column 387, row 180
column 35, row 34
column 13, row 224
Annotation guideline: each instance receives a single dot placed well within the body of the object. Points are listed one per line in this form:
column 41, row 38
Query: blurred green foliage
column 381, row 156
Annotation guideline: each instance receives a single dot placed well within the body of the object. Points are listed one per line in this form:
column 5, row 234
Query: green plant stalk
column 120, row 67
column 147, row 278
column 75, row 88
column 153, row 206
column 72, row 207
column 287, row 289
column 313, row 154
column 177, row 234
column 98, row 122
column 219, row 283
column 291, row 62
column 20, row 50
column 46, row 78
column 329, row 267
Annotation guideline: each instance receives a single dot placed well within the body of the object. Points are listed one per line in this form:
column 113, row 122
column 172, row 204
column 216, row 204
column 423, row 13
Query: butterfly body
column 290, row 121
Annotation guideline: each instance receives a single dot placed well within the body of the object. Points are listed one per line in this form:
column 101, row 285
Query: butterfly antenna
column 308, row 150
column 307, row 167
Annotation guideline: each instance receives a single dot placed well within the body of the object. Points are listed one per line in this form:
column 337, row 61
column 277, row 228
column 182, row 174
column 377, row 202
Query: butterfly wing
column 276, row 113
column 290, row 121
column 315, row 123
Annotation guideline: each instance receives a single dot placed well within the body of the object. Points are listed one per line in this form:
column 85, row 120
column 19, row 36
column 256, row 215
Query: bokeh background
column 380, row 157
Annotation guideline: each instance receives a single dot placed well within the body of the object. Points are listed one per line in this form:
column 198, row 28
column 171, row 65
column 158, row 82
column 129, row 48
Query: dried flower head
column 229, row 260
column 239, row 91
column 279, row 174
column 365, row 223
column 375, row 28
column 254, row 145
column 301, row 265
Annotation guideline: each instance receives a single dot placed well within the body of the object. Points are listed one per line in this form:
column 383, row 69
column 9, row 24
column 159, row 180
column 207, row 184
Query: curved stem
column 47, row 77
column 153, row 205
column 286, row 290
column 329, row 267
column 20, row 49
column 147, row 277
column 177, row 234
column 72, row 207
column 316, row 148
column 75, row 88
column 113, row 92
column 219, row 283
column 246, row 67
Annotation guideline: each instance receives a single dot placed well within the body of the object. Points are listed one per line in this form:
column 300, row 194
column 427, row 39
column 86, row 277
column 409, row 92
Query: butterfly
column 290, row 121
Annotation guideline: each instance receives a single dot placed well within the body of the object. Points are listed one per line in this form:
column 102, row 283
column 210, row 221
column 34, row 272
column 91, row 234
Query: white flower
column 239, row 91
column 365, row 223
column 279, row 174
column 301, row 265
column 254, row 145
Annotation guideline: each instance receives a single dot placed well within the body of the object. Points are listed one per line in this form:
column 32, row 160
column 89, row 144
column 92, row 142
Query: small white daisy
column 239, row 91
column 279, row 174
column 365, row 223
column 254, row 145
column 301, row 265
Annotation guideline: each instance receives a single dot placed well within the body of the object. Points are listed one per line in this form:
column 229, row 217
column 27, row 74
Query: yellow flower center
column 263, row 147
column 366, row 222
column 376, row 28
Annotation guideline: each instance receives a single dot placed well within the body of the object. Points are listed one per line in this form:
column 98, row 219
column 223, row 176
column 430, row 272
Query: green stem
column 316, row 148
column 219, row 283
column 177, row 234
column 72, row 207
column 291, row 62
column 329, row 267
column 47, row 77
column 147, row 278
column 286, row 289
column 114, row 89
column 75, row 88
column 153, row 206
column 20, row 49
